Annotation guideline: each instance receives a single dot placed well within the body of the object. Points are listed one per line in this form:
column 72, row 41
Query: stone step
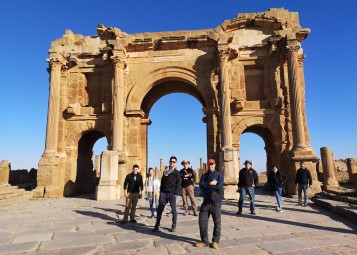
column 12, row 194
column 343, row 208
column 338, row 197
column 343, row 192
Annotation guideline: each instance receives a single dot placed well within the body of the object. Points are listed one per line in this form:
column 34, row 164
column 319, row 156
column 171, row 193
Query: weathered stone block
column 5, row 167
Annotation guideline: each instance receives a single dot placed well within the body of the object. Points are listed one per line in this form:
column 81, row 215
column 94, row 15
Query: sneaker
column 304, row 205
column 281, row 210
column 133, row 221
column 253, row 213
column 173, row 228
column 151, row 216
column 239, row 213
column 215, row 245
column 300, row 204
column 201, row 244
column 278, row 209
column 155, row 229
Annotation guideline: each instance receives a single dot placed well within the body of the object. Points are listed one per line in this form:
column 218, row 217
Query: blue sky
column 29, row 27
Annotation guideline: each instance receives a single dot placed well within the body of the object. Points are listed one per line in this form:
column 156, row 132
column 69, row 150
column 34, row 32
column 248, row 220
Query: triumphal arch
column 247, row 73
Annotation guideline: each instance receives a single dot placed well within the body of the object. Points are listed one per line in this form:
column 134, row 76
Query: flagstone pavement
column 82, row 225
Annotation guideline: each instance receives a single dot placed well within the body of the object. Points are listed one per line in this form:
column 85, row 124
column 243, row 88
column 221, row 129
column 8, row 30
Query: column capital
column 118, row 62
column 55, row 63
column 293, row 48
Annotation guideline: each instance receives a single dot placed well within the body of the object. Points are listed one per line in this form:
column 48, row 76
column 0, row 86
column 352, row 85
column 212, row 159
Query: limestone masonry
column 247, row 73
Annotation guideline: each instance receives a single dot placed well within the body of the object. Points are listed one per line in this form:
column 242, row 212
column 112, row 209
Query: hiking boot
column 173, row 228
column 215, row 245
column 253, row 213
column 155, row 229
column 239, row 213
column 201, row 245
column 133, row 221
column 304, row 205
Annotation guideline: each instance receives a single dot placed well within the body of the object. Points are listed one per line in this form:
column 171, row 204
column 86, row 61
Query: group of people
column 160, row 192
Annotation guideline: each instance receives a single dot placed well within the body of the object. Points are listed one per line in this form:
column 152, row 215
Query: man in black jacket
column 248, row 179
column 303, row 180
column 187, row 187
column 133, row 188
column 170, row 187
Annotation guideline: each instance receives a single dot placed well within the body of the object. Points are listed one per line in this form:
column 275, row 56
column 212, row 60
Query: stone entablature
column 247, row 73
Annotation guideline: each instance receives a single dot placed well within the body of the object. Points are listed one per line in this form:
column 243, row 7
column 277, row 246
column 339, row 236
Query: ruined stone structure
column 247, row 73
column 5, row 168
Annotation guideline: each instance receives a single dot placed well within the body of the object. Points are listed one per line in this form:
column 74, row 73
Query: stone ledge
column 339, row 207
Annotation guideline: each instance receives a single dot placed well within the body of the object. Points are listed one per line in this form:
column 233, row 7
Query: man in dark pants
column 170, row 187
column 303, row 180
column 248, row 179
column 211, row 183
column 133, row 188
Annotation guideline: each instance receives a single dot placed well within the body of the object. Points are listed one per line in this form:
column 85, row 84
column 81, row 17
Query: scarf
column 168, row 171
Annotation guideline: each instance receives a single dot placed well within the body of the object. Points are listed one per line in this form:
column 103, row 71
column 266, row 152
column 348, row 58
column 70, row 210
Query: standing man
column 170, row 187
column 187, row 186
column 303, row 180
column 211, row 184
column 133, row 188
column 248, row 179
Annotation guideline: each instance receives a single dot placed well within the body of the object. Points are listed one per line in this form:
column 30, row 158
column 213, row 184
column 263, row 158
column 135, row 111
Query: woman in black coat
column 276, row 180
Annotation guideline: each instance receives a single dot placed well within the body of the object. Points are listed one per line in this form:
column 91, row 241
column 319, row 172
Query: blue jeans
column 278, row 194
column 302, row 188
column 243, row 192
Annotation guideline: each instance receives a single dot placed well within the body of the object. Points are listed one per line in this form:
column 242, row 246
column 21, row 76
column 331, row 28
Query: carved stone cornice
column 210, row 111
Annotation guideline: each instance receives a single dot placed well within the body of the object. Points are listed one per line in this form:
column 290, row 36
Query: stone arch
column 160, row 80
column 79, row 177
column 270, row 135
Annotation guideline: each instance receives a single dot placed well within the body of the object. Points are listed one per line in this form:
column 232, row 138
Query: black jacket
column 133, row 186
column 276, row 180
column 171, row 183
column 247, row 177
column 189, row 180
column 303, row 177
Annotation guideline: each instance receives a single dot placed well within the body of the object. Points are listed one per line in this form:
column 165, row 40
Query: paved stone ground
column 82, row 225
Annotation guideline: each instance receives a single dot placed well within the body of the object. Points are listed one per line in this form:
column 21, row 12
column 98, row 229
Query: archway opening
column 252, row 149
column 87, row 175
column 176, row 130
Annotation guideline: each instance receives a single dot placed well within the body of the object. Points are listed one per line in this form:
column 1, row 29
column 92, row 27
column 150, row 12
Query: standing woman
column 276, row 180
column 152, row 190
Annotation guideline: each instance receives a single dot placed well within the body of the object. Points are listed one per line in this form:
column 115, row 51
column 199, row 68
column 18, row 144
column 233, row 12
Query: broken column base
column 229, row 192
column 108, row 188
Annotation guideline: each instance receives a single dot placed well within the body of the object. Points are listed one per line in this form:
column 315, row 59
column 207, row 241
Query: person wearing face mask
column 133, row 188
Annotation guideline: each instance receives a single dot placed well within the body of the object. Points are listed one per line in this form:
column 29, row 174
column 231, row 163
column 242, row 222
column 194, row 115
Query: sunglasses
column 172, row 161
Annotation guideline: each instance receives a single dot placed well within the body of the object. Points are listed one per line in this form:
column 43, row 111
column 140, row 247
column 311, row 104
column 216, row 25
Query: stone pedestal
column 228, row 167
column 108, row 188
column 50, row 181
column 329, row 178
column 4, row 171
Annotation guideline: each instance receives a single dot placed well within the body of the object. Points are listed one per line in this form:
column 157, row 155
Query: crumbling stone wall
column 5, row 167
column 23, row 177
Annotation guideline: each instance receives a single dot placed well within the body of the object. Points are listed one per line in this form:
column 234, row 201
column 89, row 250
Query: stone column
column 118, row 104
column 295, row 97
column 53, row 107
column 329, row 180
column 226, row 130
column 228, row 156
column 5, row 171
column 352, row 170
column 96, row 164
